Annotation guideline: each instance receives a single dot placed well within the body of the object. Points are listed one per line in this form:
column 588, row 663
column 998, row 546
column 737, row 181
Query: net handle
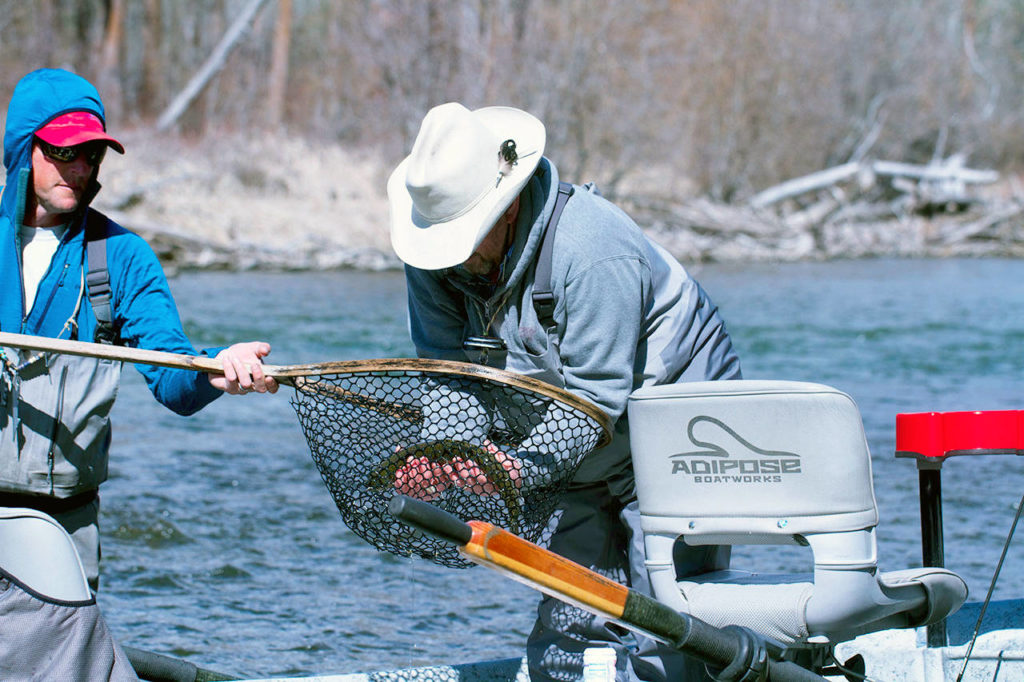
column 288, row 374
column 140, row 356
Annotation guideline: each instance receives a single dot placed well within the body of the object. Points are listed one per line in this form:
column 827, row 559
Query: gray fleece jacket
column 626, row 312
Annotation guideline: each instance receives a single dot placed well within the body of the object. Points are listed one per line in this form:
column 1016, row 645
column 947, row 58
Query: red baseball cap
column 76, row 128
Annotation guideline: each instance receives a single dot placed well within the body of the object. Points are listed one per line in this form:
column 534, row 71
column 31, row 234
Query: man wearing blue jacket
column 570, row 291
column 54, row 421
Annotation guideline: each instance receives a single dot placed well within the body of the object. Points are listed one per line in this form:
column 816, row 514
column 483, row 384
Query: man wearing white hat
column 509, row 267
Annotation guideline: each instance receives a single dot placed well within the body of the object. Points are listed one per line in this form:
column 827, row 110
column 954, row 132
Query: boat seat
column 39, row 553
column 771, row 463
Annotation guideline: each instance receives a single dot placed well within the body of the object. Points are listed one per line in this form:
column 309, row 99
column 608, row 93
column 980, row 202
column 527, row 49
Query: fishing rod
column 737, row 653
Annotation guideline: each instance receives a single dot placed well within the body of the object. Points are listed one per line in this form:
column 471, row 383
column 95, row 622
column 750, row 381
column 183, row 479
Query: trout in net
column 478, row 442
column 447, row 454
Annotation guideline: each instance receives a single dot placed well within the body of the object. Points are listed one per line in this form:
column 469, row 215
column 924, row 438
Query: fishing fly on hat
column 465, row 169
column 77, row 127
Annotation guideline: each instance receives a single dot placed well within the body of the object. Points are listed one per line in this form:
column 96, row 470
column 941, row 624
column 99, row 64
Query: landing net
column 477, row 442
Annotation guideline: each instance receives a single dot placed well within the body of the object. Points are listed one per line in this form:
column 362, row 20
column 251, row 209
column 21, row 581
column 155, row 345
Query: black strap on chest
column 543, row 295
column 97, row 280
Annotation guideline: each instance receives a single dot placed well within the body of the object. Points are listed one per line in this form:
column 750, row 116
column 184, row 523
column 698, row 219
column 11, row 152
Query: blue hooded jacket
column 144, row 311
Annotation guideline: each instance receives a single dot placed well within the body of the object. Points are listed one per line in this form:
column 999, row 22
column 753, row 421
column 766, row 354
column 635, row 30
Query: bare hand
column 243, row 369
column 422, row 479
column 425, row 478
column 465, row 473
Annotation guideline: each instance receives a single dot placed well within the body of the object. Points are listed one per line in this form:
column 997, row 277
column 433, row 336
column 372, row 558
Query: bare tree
column 278, row 78
column 108, row 71
column 210, row 67
column 719, row 98
column 151, row 81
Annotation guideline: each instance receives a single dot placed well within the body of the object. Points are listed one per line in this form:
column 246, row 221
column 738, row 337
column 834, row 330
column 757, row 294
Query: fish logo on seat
column 727, row 457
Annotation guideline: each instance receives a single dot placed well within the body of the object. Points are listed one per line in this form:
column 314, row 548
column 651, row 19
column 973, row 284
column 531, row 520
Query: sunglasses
column 93, row 151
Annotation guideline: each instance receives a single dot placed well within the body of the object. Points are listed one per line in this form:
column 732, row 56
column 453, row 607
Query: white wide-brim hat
column 450, row 191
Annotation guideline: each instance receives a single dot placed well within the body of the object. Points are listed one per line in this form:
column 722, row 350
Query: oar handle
column 430, row 519
column 733, row 649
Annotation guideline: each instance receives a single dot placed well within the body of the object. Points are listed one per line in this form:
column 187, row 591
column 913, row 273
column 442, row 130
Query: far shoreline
column 220, row 205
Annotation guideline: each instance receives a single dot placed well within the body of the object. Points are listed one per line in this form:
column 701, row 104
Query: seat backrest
column 770, row 462
column 750, row 462
column 39, row 553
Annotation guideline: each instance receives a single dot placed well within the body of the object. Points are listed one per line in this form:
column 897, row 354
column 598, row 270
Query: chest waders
column 599, row 527
column 54, row 421
column 547, row 365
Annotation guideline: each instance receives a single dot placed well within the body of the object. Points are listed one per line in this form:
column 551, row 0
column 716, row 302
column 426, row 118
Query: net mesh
column 471, row 444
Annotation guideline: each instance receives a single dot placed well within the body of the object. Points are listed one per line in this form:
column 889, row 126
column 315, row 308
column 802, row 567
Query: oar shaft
column 551, row 573
column 563, row 579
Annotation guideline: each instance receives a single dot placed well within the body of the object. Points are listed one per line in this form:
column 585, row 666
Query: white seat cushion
column 771, row 462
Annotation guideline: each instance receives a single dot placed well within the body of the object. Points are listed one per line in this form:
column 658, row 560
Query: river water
column 222, row 545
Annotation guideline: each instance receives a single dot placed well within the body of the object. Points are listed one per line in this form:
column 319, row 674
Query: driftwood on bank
column 944, row 180
column 858, row 209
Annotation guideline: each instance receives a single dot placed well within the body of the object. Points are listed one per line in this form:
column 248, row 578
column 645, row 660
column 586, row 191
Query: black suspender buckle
column 544, row 304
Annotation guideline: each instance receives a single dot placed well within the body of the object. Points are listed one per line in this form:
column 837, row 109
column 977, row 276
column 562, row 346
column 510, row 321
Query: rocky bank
column 235, row 203
column 241, row 203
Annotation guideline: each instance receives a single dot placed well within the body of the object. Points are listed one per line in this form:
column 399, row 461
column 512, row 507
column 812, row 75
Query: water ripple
column 222, row 545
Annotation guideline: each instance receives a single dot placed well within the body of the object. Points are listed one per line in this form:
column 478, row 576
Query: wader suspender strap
column 543, row 296
column 98, row 279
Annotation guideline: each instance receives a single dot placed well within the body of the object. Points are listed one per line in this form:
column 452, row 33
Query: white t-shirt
column 38, row 244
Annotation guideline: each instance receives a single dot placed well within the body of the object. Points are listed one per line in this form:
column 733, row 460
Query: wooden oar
column 732, row 649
